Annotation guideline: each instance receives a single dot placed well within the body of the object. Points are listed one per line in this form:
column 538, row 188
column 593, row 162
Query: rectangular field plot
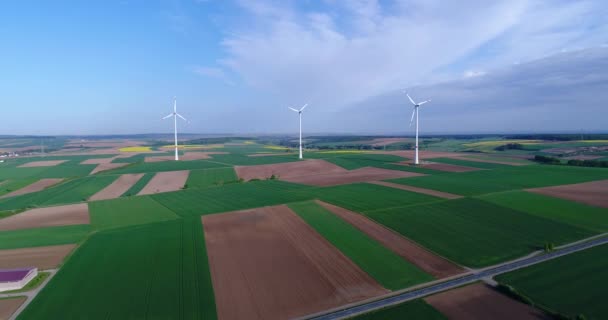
column 43, row 236
column 577, row 214
column 572, row 285
column 503, row 179
column 144, row 167
column 244, row 160
column 128, row 211
column 470, row 164
column 475, row 233
column 158, row 271
column 417, row 309
column 389, row 269
column 210, row 177
column 356, row 161
column 230, row 197
column 140, row 184
column 277, row 267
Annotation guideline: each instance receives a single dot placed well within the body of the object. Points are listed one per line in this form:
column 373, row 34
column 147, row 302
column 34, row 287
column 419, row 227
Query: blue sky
column 102, row 67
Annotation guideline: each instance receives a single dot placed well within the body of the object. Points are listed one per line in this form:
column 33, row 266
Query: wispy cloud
column 213, row 72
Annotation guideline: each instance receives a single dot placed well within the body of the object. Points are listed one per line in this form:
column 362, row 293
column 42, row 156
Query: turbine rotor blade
column 296, row 110
column 423, row 102
column 412, row 119
column 306, row 105
column 412, row 100
column 179, row 115
column 171, row 115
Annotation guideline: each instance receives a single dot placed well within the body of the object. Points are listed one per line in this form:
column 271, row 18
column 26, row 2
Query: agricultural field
column 475, row 233
column 140, row 184
column 43, row 236
column 472, row 163
column 145, row 167
column 211, row 177
column 571, row 285
column 123, row 212
column 417, row 309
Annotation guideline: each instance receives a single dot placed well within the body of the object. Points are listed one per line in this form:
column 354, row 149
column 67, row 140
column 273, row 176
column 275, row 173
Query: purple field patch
column 13, row 275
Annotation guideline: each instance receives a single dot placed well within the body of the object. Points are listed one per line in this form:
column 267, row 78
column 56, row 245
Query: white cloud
column 473, row 73
column 213, row 72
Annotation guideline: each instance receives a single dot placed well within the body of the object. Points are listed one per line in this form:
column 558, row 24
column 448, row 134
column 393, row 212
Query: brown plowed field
column 98, row 160
column 478, row 301
column 448, row 167
column 288, row 169
column 41, row 257
column 48, row 163
column 407, row 249
column 166, row 182
column 34, row 187
column 430, row 192
column 107, row 166
column 267, row 263
column 593, row 193
column 47, row 217
column 352, row 176
column 187, row 156
column 118, row 187
column 9, row 306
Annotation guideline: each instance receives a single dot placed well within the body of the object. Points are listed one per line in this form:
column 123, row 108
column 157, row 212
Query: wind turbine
column 415, row 112
column 300, row 114
column 174, row 114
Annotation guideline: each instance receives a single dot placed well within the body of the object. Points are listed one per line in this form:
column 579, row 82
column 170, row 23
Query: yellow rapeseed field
column 135, row 149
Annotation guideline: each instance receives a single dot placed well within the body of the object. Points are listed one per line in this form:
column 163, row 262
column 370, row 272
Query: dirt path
column 593, row 193
column 407, row 249
column 48, row 163
column 429, row 192
column 118, row 187
column 41, row 257
column 34, row 187
column 353, row 176
column 47, row 217
column 478, row 301
column 275, row 266
column 9, row 306
column 288, row 169
column 166, row 182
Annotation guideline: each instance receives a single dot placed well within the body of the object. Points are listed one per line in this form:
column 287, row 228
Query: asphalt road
column 450, row 284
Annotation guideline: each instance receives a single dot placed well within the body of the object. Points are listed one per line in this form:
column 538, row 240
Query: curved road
column 450, row 284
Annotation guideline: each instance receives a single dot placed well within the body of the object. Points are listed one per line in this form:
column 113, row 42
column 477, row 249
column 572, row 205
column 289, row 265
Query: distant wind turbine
column 415, row 112
column 300, row 114
column 174, row 114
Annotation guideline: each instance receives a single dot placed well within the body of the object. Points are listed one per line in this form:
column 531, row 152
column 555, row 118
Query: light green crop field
column 362, row 197
column 499, row 158
column 417, row 309
column 504, row 179
column 143, row 167
column 128, row 211
column 573, row 284
column 472, row 163
column 14, row 185
column 68, row 192
column 238, row 159
column 155, row 271
column 389, row 269
column 476, row 233
column 561, row 210
column 210, row 177
column 43, row 236
column 230, row 197
column 140, row 184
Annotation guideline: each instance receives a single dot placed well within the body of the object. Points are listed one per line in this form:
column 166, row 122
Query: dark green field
column 140, row 184
column 211, row 177
column 143, row 167
column 417, row 309
column 43, row 236
column 127, row 211
column 573, row 284
column 390, row 270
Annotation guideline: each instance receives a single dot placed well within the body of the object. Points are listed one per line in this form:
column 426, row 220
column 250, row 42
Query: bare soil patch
column 166, row 182
column 288, row 169
column 34, row 187
column 47, row 163
column 478, row 301
column 359, row 175
column 9, row 306
column 41, row 257
column 47, row 217
column 98, row 161
column 187, row 156
column 430, row 192
column 107, row 166
column 407, row 249
column 449, row 167
column 277, row 267
column 593, row 193
column 118, row 187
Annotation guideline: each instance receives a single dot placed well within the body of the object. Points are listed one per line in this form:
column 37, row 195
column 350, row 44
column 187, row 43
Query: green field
column 574, row 213
column 127, row 211
column 239, row 159
column 573, row 284
column 504, row 179
column 230, row 197
column 43, row 236
column 68, row 192
column 362, row 197
column 210, row 177
column 143, row 167
column 476, row 233
column 157, row 271
column 471, row 163
column 389, row 269
column 356, row 161
column 416, row 309
column 13, row 185
column 140, row 184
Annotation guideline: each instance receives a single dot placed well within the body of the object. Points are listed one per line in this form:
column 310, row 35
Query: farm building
column 15, row 279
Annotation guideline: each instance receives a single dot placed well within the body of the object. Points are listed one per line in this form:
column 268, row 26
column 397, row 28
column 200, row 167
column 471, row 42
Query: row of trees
column 573, row 162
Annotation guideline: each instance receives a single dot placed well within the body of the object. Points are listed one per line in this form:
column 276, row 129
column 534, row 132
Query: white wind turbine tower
column 174, row 114
column 415, row 112
column 300, row 114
